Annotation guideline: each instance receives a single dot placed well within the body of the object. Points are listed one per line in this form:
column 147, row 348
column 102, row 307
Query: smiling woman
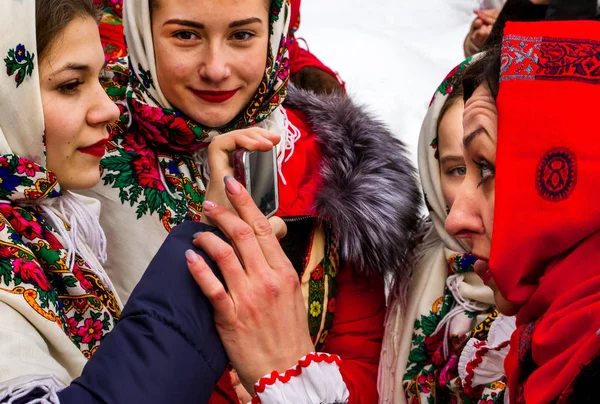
column 57, row 305
column 210, row 67
column 76, row 113
column 204, row 78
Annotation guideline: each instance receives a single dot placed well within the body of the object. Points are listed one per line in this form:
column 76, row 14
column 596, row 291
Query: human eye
column 70, row 87
column 459, row 171
column 242, row 36
column 487, row 171
column 185, row 35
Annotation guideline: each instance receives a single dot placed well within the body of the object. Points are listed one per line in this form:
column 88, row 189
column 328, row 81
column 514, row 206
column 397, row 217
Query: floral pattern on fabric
column 544, row 58
column 19, row 62
column 149, row 159
column 444, row 89
column 431, row 376
column 322, row 291
column 33, row 260
column 139, row 163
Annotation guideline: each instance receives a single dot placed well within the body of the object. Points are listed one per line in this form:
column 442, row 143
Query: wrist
column 278, row 365
column 316, row 375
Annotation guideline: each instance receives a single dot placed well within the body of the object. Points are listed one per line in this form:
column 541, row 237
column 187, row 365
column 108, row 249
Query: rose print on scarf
column 20, row 62
column 27, row 167
column 33, row 259
column 30, row 271
column 33, row 265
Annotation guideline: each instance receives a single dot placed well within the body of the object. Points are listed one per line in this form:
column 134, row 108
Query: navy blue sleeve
column 165, row 348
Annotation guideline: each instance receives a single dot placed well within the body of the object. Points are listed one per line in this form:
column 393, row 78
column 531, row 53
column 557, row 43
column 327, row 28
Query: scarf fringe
column 14, row 391
column 75, row 223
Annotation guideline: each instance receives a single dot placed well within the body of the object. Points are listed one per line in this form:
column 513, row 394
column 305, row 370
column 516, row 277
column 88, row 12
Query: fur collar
column 370, row 193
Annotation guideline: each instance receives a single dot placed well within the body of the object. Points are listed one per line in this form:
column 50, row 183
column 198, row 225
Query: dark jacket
column 165, row 348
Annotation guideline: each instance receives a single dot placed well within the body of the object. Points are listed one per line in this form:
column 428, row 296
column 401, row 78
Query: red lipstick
column 96, row 150
column 215, row 97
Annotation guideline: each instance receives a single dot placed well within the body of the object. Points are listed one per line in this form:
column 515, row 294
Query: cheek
column 253, row 65
column 173, row 67
column 450, row 186
column 488, row 219
column 63, row 122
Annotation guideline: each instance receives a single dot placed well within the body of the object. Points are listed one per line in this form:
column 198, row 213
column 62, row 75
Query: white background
column 392, row 53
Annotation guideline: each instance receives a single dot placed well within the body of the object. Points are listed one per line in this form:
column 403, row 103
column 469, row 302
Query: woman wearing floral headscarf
column 196, row 72
column 528, row 201
column 58, row 309
column 426, row 339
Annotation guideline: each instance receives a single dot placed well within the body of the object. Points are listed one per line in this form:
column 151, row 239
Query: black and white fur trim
column 370, row 191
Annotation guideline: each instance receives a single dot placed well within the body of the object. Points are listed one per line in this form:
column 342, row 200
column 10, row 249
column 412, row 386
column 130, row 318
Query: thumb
column 279, row 227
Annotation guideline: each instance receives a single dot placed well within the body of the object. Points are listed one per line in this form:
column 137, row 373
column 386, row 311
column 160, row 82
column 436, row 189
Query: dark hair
column 52, row 16
column 485, row 70
column 455, row 95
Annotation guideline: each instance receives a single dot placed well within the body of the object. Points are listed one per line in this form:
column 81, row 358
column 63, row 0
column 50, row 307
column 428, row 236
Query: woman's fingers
column 210, row 285
column 488, row 17
column 225, row 257
column 249, row 139
column 241, row 234
column 247, row 210
column 278, row 226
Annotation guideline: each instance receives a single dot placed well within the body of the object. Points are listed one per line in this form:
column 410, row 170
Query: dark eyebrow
column 185, row 23
column 247, row 21
column 452, row 159
column 469, row 139
column 198, row 25
column 77, row 67
column 73, row 66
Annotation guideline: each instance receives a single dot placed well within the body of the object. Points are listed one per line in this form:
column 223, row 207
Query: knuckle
column 224, row 254
column 243, row 232
column 291, row 279
column 262, row 227
column 271, row 287
column 217, row 296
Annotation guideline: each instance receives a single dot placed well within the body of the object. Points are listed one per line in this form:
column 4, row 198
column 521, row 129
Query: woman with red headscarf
column 306, row 70
column 528, row 202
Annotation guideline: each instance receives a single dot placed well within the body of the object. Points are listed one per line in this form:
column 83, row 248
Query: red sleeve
column 357, row 333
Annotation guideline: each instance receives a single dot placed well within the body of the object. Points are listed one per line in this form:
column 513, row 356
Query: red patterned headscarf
column 546, row 243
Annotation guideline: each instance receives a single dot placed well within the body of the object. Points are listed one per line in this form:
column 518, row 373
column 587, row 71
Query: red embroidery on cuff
column 275, row 376
column 479, row 355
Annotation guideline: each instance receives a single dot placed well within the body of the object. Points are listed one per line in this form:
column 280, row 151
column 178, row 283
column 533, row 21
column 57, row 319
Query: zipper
column 297, row 219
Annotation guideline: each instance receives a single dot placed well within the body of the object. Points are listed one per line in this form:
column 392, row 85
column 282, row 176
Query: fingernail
column 208, row 206
column 196, row 235
column 233, row 187
column 191, row 256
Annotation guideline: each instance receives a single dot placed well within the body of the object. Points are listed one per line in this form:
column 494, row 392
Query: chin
column 81, row 182
column 505, row 307
column 212, row 121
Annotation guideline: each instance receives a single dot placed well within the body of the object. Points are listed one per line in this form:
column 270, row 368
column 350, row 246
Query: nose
column 464, row 220
column 215, row 66
column 104, row 110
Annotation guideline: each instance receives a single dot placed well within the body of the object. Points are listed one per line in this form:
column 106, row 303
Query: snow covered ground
column 392, row 53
